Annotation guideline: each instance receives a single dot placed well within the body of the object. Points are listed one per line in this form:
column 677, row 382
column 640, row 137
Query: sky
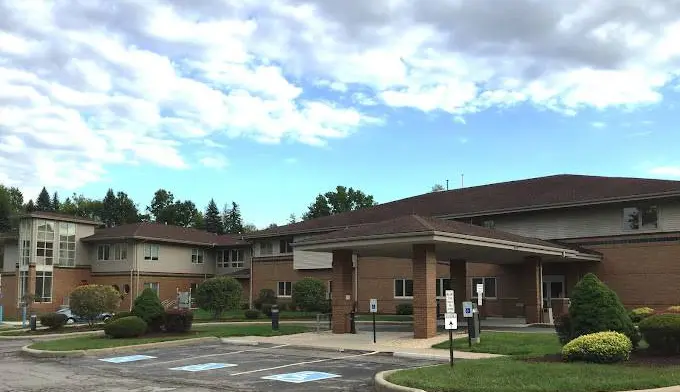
column 269, row 103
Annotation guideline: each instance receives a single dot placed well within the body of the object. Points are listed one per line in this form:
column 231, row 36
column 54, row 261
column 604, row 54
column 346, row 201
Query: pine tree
column 234, row 220
column 55, row 202
column 44, row 201
column 109, row 212
column 212, row 219
column 30, row 207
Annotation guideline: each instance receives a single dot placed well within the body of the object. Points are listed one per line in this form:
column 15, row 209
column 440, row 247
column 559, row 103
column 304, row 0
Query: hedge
column 126, row 327
column 662, row 332
column 599, row 347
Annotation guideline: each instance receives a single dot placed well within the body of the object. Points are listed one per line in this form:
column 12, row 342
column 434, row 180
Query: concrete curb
column 432, row 357
column 380, row 383
column 113, row 350
column 51, row 336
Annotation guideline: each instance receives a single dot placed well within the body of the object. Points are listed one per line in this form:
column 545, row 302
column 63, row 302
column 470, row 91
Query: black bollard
column 275, row 317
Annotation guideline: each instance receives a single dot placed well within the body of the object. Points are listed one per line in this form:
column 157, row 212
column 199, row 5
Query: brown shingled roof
column 549, row 192
column 164, row 233
column 415, row 224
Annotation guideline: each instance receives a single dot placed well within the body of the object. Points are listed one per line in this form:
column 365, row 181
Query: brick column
column 531, row 289
column 424, row 291
column 31, row 280
column 458, row 277
column 342, row 286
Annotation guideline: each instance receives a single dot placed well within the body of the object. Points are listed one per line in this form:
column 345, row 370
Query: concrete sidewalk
column 399, row 343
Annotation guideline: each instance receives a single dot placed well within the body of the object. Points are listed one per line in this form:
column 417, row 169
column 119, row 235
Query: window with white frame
column 403, row 288
column 25, row 252
column 285, row 246
column 489, row 287
column 67, row 244
column 112, row 252
column 285, row 289
column 103, row 252
column 237, row 258
column 151, row 252
column 43, row 286
column 155, row 286
column 643, row 217
column 223, row 259
column 442, row 286
column 25, row 234
column 197, row 256
column 23, row 285
column 45, row 244
column 266, row 248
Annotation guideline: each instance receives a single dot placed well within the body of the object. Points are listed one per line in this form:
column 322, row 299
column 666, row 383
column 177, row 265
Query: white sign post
column 480, row 294
column 374, row 309
column 450, row 320
column 450, row 304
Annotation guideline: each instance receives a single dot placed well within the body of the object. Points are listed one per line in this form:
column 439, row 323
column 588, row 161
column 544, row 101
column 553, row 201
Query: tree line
column 117, row 208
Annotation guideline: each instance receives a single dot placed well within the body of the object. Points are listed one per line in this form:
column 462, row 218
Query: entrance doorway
column 553, row 287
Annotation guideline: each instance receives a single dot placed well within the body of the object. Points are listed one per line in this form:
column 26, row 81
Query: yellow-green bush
column 673, row 309
column 639, row 314
column 599, row 347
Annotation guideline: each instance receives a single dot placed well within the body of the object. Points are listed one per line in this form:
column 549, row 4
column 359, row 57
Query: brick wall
column 267, row 274
column 64, row 280
column 9, row 295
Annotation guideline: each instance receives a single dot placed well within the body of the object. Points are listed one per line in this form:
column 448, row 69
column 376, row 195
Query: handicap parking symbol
column 129, row 358
column 203, row 366
column 301, row 377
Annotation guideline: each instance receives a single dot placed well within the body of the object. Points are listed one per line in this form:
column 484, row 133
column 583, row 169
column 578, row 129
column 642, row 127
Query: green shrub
column 126, row 327
column 599, row 347
column 149, row 308
column 178, row 320
column 252, row 314
column 118, row 315
column 563, row 328
column 639, row 314
column 404, row 309
column 245, row 306
column 596, row 308
column 309, row 294
column 673, row 309
column 219, row 294
column 662, row 332
column 266, row 296
column 90, row 301
column 266, row 309
column 53, row 321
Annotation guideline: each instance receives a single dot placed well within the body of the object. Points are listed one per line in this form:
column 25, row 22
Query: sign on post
column 451, row 321
column 374, row 305
column 450, row 304
column 480, row 293
column 467, row 309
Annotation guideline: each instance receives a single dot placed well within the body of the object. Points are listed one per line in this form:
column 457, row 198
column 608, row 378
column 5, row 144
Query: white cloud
column 214, row 162
column 666, row 171
column 89, row 85
column 598, row 124
column 290, row 160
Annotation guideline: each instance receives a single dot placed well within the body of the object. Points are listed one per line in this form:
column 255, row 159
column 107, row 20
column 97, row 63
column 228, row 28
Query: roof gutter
column 166, row 240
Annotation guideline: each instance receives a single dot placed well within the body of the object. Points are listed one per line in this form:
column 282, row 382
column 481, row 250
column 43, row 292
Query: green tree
column 213, row 220
column 185, row 214
column 597, row 308
column 249, row 228
column 233, row 221
column 292, row 219
column 309, row 294
column 92, row 300
column 165, row 209
column 81, row 206
column 341, row 200
column 199, row 221
column 127, row 209
column 149, row 308
column 30, row 207
column 109, row 212
column 5, row 210
column 55, row 202
column 219, row 294
column 44, row 201
column 437, row 188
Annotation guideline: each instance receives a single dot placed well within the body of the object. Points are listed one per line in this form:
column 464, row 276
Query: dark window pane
column 398, row 288
column 409, row 288
column 631, row 218
column 490, row 287
column 649, row 219
column 438, row 288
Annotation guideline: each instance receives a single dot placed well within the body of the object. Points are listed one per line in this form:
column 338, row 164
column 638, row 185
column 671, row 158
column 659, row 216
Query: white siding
column 587, row 222
column 275, row 248
column 11, row 257
column 311, row 260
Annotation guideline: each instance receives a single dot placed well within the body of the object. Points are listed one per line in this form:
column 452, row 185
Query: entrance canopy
column 452, row 240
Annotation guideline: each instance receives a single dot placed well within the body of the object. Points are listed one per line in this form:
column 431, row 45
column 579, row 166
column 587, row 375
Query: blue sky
column 270, row 103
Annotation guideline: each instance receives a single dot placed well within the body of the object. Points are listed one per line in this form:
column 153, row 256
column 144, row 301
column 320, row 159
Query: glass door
column 553, row 287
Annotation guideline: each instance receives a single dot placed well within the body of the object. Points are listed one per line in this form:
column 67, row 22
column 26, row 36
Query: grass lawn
column 510, row 375
column 509, row 343
column 45, row 331
column 94, row 342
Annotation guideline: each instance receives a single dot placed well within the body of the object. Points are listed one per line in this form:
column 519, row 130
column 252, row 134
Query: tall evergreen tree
column 5, row 210
column 234, row 220
column 212, row 219
column 55, row 202
column 109, row 212
column 30, row 207
column 44, row 201
column 292, row 219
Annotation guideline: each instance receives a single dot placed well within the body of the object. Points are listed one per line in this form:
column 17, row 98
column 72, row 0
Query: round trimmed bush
column 53, row 320
column 599, row 347
column 673, row 309
column 126, row 327
column 149, row 308
column 309, row 294
column 639, row 314
column 662, row 332
column 117, row 316
column 178, row 320
column 252, row 314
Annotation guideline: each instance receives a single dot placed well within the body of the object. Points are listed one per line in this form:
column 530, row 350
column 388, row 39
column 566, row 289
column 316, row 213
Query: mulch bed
column 637, row 358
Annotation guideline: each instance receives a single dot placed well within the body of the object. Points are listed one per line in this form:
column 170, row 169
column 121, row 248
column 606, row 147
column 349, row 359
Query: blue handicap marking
column 301, row 377
column 129, row 358
column 203, row 366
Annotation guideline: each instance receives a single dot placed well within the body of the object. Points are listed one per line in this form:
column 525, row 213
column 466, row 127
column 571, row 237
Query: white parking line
column 305, row 363
column 212, row 355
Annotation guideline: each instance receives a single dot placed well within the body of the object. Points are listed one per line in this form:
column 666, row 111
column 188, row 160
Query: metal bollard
column 352, row 322
column 33, row 322
column 275, row 317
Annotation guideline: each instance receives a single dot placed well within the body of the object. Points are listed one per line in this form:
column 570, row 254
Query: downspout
column 133, row 261
column 355, row 261
column 252, row 271
column 540, row 288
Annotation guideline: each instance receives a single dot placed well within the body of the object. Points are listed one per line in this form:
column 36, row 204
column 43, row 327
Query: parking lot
column 248, row 368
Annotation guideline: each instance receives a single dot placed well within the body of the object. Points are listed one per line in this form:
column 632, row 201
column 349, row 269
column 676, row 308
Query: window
column 67, row 244
column 640, row 218
column 23, row 284
column 155, row 286
column 285, row 246
column 103, row 252
column 25, row 252
column 442, row 286
column 197, row 256
column 119, row 251
column 25, row 234
column 489, row 287
column 151, row 251
column 403, row 288
column 237, row 258
column 112, row 252
column 126, row 289
column 489, row 224
column 43, row 286
column 223, row 259
column 45, row 244
column 266, row 248
column 285, row 289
